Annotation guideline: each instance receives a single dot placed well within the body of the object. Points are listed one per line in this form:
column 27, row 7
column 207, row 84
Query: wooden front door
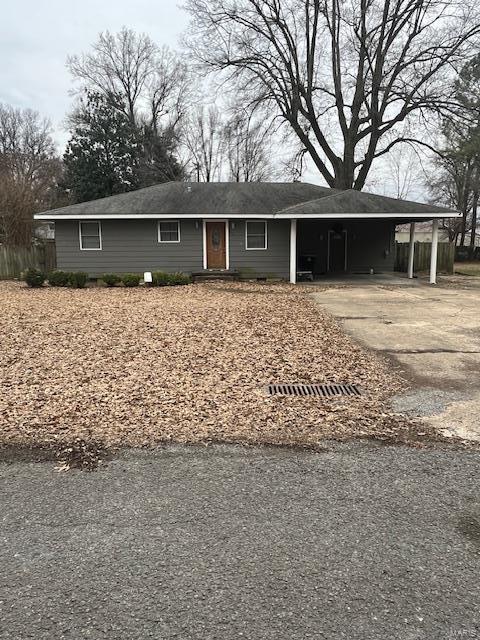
column 216, row 245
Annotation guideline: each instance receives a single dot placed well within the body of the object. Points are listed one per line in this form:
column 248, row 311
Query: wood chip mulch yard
column 139, row 367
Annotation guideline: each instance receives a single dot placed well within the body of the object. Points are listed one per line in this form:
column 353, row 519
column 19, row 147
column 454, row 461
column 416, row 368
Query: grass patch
column 467, row 268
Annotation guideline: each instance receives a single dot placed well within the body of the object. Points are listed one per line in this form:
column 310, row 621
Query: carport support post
column 433, row 257
column 411, row 250
column 293, row 251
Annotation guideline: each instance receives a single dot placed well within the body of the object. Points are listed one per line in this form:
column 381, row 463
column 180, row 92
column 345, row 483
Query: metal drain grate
column 319, row 390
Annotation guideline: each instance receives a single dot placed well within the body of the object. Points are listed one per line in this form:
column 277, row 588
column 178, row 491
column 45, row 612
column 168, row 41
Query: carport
column 354, row 232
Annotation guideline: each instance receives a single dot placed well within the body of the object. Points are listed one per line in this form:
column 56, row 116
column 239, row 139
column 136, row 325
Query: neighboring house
column 255, row 229
column 423, row 233
column 44, row 231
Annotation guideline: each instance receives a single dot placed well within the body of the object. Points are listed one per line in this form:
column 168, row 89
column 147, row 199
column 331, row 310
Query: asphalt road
column 361, row 541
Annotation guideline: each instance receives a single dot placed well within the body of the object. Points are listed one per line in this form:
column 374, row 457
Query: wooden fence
column 14, row 260
column 423, row 251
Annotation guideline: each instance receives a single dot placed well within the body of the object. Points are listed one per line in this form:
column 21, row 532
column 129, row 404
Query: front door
column 337, row 250
column 216, row 245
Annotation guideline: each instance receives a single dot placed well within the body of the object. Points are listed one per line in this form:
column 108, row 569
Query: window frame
column 265, row 226
column 80, row 235
column 159, row 236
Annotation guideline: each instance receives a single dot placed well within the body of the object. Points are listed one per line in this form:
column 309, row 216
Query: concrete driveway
column 431, row 332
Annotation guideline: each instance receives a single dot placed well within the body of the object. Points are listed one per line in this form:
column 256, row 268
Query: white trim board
column 364, row 216
column 227, row 241
column 247, row 216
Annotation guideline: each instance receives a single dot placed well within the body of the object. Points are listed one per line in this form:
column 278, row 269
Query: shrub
column 180, row 279
column 160, row 279
column 34, row 277
column 78, row 279
column 59, row 279
column 111, row 279
column 131, row 279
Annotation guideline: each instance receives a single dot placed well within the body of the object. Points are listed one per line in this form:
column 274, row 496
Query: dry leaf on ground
column 138, row 367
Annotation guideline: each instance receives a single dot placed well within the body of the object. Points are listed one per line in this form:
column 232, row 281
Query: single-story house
column 257, row 229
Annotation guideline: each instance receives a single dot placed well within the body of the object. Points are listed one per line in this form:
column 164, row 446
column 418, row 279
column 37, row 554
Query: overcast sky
column 36, row 36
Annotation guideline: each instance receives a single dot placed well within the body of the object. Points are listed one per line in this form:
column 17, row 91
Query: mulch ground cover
column 140, row 367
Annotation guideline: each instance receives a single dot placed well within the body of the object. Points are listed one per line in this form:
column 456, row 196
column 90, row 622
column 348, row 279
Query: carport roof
column 283, row 200
column 362, row 204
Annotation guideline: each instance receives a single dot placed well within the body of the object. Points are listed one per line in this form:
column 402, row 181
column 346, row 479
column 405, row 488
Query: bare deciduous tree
column 402, row 166
column 343, row 75
column 455, row 178
column 145, row 82
column 448, row 186
column 455, row 182
column 204, row 142
column 248, row 144
column 29, row 172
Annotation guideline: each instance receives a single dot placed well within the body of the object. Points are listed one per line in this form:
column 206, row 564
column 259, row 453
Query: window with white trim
column 90, row 236
column 168, row 231
column 256, row 234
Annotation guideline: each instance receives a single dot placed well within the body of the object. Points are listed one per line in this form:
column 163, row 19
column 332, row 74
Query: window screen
column 169, row 231
column 90, row 235
column 256, row 235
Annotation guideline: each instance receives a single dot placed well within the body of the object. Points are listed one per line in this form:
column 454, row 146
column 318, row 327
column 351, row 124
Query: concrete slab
column 431, row 333
column 354, row 279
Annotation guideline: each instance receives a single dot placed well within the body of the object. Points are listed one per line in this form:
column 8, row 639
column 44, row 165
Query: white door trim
column 345, row 234
column 227, row 241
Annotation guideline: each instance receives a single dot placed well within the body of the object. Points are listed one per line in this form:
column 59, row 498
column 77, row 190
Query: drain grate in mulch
column 319, row 390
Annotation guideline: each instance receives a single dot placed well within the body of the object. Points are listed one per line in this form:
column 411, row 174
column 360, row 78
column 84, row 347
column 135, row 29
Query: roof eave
column 364, row 216
column 245, row 216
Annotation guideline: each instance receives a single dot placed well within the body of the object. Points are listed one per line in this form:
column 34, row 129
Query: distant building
column 44, row 231
column 423, row 233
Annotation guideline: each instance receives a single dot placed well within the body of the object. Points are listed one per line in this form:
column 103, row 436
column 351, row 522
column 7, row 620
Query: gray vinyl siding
column 370, row 244
column 130, row 246
column 273, row 261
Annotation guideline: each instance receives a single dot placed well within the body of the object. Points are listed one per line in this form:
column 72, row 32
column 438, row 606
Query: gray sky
column 36, row 36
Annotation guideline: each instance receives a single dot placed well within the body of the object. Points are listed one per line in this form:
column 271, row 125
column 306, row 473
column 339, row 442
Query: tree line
column 340, row 85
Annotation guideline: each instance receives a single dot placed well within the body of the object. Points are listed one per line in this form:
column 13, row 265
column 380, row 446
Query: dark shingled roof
column 254, row 198
column 202, row 198
column 358, row 202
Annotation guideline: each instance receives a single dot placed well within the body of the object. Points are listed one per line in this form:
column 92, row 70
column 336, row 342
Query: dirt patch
column 142, row 367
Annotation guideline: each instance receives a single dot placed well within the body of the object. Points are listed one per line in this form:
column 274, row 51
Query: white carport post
column 433, row 257
column 293, row 251
column 411, row 250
